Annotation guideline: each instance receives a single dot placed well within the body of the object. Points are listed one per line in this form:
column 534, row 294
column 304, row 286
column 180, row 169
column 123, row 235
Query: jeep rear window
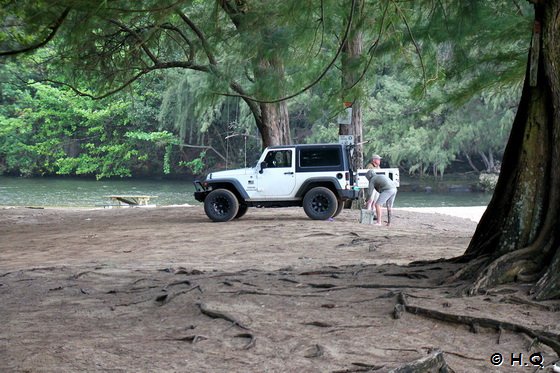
column 320, row 157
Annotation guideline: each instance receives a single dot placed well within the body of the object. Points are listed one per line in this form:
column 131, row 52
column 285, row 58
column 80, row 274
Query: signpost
column 346, row 139
column 346, row 116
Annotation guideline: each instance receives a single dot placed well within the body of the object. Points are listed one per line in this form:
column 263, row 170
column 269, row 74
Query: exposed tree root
column 434, row 362
column 360, row 367
column 166, row 298
column 384, row 286
column 548, row 287
column 314, row 273
column 468, row 270
column 189, row 338
column 251, row 337
column 519, row 265
column 183, row 282
column 431, row 349
column 254, row 292
column 319, row 324
column 550, row 339
column 545, row 307
column 220, row 315
column 345, row 327
column 506, row 268
column 129, row 304
column 314, row 351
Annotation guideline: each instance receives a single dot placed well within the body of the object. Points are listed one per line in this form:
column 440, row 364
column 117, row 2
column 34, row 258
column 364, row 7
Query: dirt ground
column 165, row 290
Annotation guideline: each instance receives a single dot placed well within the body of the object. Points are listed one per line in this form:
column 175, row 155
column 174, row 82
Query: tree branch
column 144, row 71
column 201, row 37
column 190, row 55
column 204, row 147
column 312, row 83
column 141, row 41
column 416, row 46
column 54, row 29
column 372, row 49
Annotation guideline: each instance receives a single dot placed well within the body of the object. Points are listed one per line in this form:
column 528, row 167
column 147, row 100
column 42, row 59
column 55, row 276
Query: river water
column 74, row 192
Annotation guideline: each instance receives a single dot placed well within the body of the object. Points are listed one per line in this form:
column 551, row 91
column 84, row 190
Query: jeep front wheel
column 339, row 208
column 242, row 210
column 320, row 203
column 221, row 205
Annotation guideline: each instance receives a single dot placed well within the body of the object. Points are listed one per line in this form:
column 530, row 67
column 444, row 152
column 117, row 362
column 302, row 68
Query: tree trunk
column 484, row 160
column 469, row 160
column 275, row 127
column 351, row 55
column 272, row 119
column 517, row 238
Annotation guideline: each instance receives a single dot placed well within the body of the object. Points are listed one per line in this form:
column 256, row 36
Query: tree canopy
column 181, row 61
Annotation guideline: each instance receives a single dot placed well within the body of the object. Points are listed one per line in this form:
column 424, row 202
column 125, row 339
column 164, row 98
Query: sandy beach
column 164, row 289
column 473, row 213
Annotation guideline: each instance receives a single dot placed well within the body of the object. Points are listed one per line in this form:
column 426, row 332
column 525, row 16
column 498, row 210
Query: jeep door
column 277, row 178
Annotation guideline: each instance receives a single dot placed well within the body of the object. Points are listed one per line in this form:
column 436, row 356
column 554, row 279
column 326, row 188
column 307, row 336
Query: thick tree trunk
column 518, row 238
column 351, row 55
column 272, row 119
column 275, row 127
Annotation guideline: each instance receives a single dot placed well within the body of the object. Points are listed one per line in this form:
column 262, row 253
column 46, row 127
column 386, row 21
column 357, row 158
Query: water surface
column 74, row 192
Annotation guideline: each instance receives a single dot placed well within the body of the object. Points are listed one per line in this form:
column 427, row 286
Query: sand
column 163, row 289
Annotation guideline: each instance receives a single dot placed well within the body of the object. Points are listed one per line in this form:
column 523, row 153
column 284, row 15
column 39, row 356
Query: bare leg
column 378, row 213
column 388, row 215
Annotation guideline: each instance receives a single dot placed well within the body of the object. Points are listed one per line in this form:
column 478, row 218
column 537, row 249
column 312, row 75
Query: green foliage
column 435, row 81
column 422, row 138
column 50, row 130
column 158, row 137
column 197, row 165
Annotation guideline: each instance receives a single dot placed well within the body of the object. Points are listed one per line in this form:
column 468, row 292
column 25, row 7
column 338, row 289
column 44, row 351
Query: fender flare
column 320, row 181
column 233, row 184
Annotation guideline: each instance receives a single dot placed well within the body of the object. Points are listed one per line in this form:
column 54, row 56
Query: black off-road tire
column 339, row 208
column 242, row 210
column 320, row 203
column 221, row 205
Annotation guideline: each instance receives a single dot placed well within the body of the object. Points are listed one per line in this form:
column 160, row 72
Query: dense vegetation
column 428, row 103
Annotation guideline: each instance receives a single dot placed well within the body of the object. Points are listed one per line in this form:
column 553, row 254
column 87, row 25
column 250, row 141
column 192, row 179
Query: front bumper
column 200, row 191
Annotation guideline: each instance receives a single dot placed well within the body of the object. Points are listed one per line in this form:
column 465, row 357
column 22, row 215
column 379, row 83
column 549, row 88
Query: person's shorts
column 387, row 197
column 372, row 194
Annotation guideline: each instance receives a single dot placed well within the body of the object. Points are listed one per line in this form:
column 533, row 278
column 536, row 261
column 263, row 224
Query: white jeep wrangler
column 317, row 177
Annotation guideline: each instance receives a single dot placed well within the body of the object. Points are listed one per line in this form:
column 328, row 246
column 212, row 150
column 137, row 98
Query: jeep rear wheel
column 320, row 203
column 221, row 205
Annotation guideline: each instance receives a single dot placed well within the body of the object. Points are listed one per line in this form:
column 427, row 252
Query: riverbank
column 473, row 213
column 164, row 289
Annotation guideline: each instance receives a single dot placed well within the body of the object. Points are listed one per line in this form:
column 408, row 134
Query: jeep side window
column 320, row 157
column 278, row 158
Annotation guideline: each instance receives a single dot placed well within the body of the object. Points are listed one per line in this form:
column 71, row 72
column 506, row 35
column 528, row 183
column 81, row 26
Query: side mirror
column 263, row 166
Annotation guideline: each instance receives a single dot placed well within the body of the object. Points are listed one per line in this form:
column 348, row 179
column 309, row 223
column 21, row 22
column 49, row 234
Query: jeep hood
column 230, row 173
